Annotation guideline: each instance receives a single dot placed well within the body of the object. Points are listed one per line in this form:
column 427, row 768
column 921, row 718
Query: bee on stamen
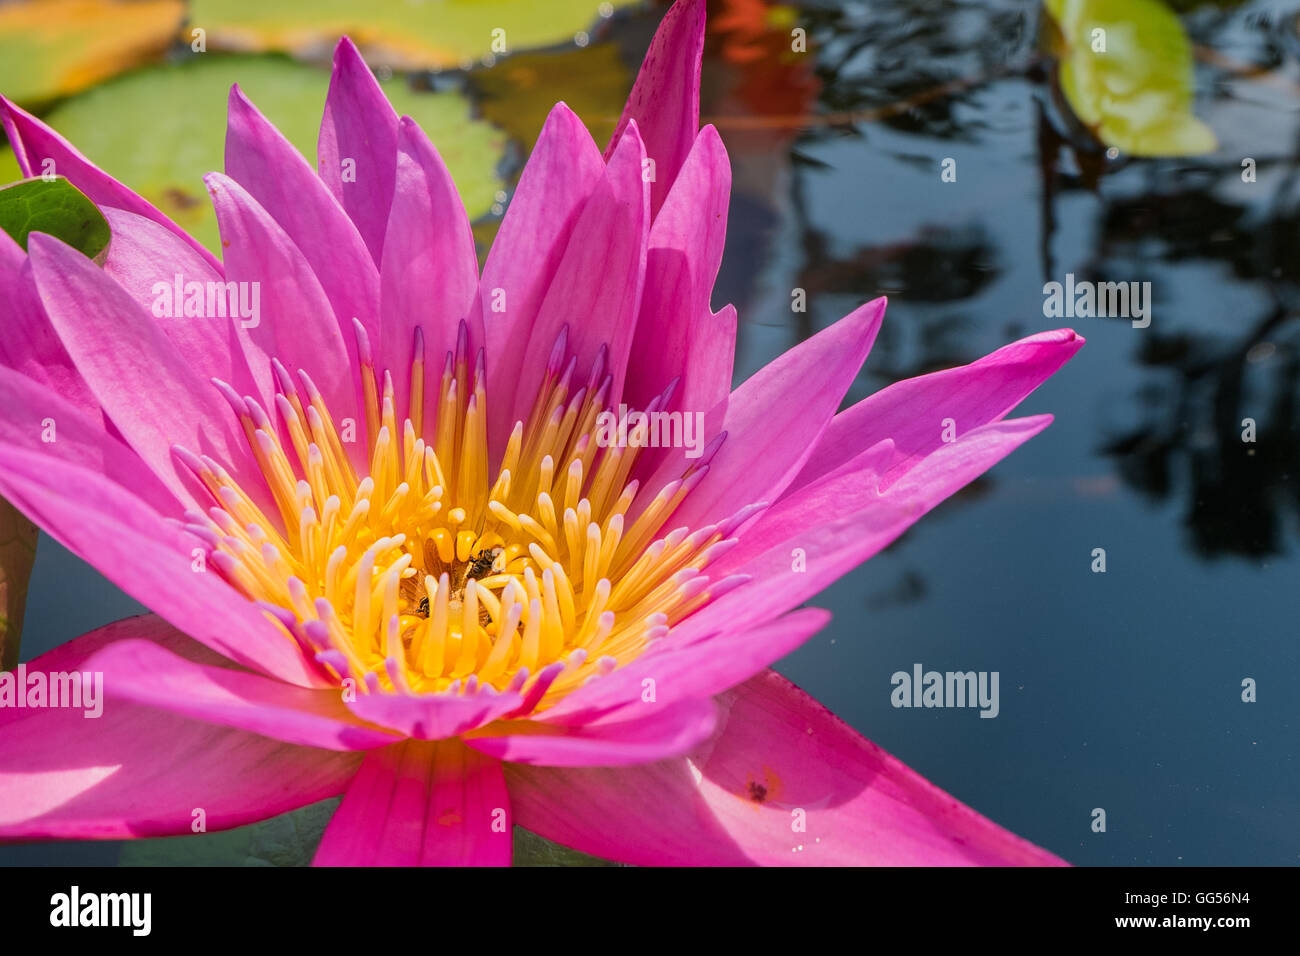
column 479, row 566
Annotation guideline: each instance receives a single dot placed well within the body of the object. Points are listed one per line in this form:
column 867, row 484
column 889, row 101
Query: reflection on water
column 1119, row 690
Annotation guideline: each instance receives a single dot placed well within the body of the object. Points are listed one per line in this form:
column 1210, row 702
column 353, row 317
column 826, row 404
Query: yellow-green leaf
column 399, row 34
column 518, row 94
column 1126, row 71
column 53, row 48
column 160, row 129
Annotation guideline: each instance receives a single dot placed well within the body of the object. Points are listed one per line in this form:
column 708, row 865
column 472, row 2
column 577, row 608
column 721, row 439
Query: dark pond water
column 1119, row 690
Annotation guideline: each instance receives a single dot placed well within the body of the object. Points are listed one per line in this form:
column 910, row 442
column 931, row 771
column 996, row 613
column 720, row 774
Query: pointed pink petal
column 34, row 412
column 685, row 666
column 841, row 521
column 144, row 672
column 422, row 803
column 29, row 343
column 657, row 732
column 563, row 170
column 150, row 559
column 154, row 398
column 775, row 418
column 429, row 274
column 144, row 258
column 296, row 324
column 34, row 143
column 433, row 716
column 665, row 100
column 139, row 772
column 911, row 412
column 276, row 175
column 359, row 125
column 737, row 799
column 596, row 290
column 686, row 242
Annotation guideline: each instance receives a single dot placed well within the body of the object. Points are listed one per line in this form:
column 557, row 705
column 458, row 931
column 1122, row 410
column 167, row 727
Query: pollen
column 437, row 573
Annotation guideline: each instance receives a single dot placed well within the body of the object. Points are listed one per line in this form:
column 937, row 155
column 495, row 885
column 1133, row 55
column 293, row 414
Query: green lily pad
column 1136, row 94
column 291, row 840
column 56, row 207
column 399, row 34
column 57, row 47
column 287, row 840
column 159, row 130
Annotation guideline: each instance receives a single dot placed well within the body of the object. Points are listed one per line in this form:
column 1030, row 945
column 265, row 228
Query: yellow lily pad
column 399, row 34
column 1126, row 71
column 518, row 94
column 54, row 48
column 159, row 130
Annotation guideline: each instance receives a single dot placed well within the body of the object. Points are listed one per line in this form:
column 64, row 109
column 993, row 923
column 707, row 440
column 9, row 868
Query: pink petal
column 422, row 803
column 297, row 324
column 775, row 418
column 665, row 100
column 29, row 343
column 563, row 170
column 737, row 799
column 144, row 254
column 34, row 412
column 260, row 159
column 139, row 772
column 34, row 143
column 359, row 125
column 686, row 666
column 154, row 398
column 144, row 672
column 841, row 521
column 597, row 287
column 658, row 731
column 150, row 559
column 429, row 275
column 686, row 242
column 433, row 716
column 911, row 412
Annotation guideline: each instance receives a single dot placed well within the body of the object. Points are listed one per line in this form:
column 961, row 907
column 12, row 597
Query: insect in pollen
column 479, row 566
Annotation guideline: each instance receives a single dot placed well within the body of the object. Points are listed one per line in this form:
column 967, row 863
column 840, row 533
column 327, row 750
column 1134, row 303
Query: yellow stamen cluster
column 436, row 577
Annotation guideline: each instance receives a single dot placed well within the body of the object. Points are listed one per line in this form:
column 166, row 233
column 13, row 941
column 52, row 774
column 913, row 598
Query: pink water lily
column 392, row 555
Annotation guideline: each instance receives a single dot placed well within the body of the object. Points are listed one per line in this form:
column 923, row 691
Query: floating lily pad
column 57, row 47
column 1126, row 71
column 160, row 129
column 287, row 840
column 291, row 840
column 434, row 34
column 518, row 93
column 56, row 207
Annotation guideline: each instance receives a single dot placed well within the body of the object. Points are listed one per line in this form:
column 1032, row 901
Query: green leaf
column 57, row 47
column 159, row 130
column 1126, row 71
column 291, row 840
column 57, row 207
column 533, row 850
column 287, row 840
column 399, row 34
